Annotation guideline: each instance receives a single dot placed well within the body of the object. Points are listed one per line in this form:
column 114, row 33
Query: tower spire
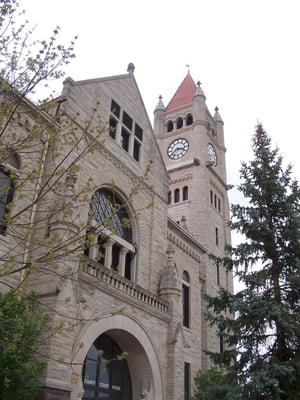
column 183, row 95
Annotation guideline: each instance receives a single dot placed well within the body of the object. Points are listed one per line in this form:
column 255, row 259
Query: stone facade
column 169, row 246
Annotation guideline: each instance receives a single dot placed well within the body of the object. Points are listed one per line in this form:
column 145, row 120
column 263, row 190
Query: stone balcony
column 111, row 282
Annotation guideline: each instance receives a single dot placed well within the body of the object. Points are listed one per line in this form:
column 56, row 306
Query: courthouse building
column 139, row 280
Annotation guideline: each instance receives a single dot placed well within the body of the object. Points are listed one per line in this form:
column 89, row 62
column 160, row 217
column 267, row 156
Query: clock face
column 178, row 148
column 212, row 155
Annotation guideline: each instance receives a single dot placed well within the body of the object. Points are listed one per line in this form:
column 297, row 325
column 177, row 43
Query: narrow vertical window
column 128, row 263
column 176, row 196
column 219, row 204
column 186, row 299
column 125, row 139
column 211, row 197
column 185, row 193
column 136, row 150
column 215, row 198
column 187, row 380
column 189, row 120
column 179, row 123
column 112, row 127
column 217, row 236
column 115, row 256
column 221, row 334
column 170, row 126
column 170, row 197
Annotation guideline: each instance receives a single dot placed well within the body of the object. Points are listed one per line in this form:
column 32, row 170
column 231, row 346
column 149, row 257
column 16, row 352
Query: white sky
column 246, row 53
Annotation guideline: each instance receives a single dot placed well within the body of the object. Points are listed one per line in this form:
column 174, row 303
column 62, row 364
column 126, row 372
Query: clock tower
column 191, row 140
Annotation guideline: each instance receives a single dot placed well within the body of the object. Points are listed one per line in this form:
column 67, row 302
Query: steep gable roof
column 184, row 94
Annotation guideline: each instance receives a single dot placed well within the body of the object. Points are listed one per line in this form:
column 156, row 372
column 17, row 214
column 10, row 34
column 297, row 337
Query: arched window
column 185, row 193
column 189, row 120
column 105, row 373
column 9, row 165
column 170, row 197
column 109, row 238
column 170, row 126
column 176, row 196
column 179, row 123
column 186, row 299
column 107, row 209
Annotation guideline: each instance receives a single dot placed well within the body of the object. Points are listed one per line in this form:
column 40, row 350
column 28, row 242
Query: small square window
column 138, row 131
column 115, row 109
column 127, row 121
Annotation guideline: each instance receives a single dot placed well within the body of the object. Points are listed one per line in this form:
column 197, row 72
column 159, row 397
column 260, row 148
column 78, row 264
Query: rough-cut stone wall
column 143, row 319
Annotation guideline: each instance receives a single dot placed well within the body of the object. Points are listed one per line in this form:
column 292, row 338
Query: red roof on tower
column 184, row 94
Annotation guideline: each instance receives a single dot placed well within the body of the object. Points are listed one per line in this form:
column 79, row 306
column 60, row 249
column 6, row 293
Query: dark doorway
column 105, row 372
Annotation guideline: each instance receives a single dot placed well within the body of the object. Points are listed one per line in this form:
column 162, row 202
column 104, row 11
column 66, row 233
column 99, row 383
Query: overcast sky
column 245, row 53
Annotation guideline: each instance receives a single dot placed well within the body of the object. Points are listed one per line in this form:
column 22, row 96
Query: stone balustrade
column 113, row 279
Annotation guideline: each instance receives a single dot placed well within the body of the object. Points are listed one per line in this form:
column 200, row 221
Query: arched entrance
column 142, row 361
column 105, row 372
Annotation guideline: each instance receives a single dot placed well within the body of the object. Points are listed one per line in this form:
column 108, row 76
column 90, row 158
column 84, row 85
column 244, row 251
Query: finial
column 130, row 68
column 160, row 104
column 188, row 67
column 199, row 91
column 217, row 116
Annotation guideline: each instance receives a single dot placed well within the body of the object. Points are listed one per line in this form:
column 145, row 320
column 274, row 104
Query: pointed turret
column 159, row 117
column 183, row 95
column 199, row 107
column 220, row 125
column 217, row 116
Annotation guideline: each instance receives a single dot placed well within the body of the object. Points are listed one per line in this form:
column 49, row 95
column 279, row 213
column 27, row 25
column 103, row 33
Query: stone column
column 108, row 253
column 93, row 250
column 122, row 260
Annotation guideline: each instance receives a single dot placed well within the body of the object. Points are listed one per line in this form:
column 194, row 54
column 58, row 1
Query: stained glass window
column 107, row 210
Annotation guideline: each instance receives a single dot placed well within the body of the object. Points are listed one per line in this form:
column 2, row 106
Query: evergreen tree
column 262, row 356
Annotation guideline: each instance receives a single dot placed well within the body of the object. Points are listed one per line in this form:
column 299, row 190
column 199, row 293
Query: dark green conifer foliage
column 262, row 359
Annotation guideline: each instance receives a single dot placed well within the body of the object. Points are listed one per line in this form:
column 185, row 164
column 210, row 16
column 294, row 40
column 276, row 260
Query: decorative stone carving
column 181, row 179
column 173, row 336
column 169, row 283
